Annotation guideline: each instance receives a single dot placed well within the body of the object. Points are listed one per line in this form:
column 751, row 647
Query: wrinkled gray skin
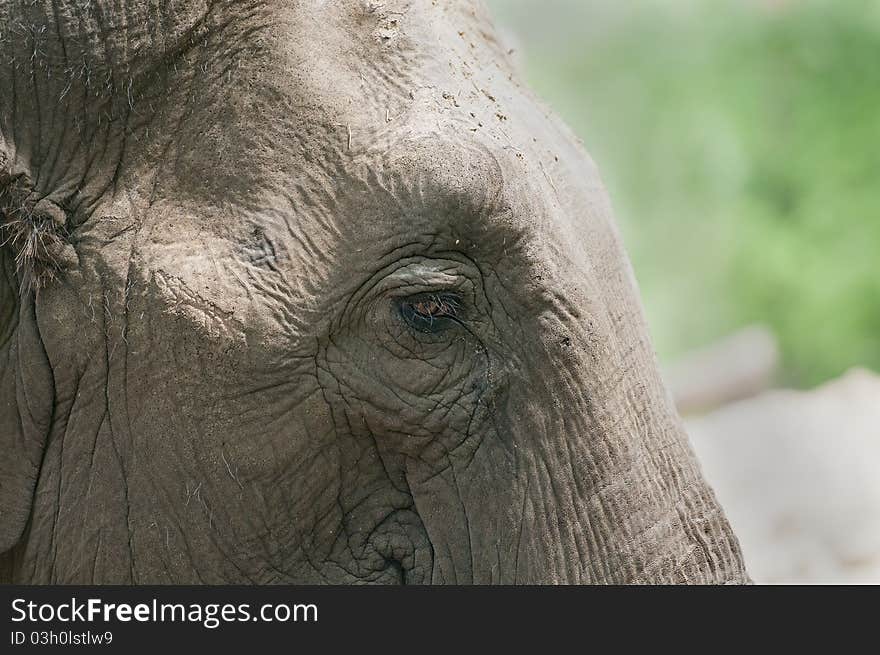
column 221, row 384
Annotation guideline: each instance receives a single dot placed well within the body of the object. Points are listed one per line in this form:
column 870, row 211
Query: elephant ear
column 26, row 388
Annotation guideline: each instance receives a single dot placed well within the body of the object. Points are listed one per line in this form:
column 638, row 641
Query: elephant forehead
column 332, row 49
column 347, row 60
column 344, row 55
column 300, row 86
column 343, row 131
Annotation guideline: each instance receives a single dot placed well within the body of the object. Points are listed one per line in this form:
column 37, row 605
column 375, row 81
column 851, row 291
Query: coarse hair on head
column 32, row 230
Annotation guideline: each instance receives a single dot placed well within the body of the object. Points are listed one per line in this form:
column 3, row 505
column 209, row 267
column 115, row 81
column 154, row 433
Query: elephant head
column 318, row 292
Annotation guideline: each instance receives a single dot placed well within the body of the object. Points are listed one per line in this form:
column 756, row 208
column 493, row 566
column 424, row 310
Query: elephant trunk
column 539, row 507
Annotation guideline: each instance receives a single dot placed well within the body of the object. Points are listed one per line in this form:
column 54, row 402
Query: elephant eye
column 432, row 312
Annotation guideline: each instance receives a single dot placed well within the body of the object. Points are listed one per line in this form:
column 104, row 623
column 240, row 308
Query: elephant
column 309, row 292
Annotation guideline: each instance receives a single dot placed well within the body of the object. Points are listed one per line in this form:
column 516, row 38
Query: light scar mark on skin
column 229, row 469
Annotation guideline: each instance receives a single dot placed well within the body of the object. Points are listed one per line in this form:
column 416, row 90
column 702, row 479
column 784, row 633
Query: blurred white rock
column 741, row 365
column 798, row 474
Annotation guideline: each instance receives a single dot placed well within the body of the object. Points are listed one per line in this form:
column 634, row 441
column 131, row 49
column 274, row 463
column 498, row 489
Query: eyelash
column 432, row 312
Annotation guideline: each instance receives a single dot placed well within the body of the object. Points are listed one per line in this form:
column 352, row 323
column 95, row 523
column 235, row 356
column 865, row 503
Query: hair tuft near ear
column 34, row 230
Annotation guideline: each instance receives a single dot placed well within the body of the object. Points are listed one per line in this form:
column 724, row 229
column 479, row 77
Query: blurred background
column 740, row 142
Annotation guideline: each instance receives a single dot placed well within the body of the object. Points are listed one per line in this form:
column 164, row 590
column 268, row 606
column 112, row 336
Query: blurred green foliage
column 740, row 141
